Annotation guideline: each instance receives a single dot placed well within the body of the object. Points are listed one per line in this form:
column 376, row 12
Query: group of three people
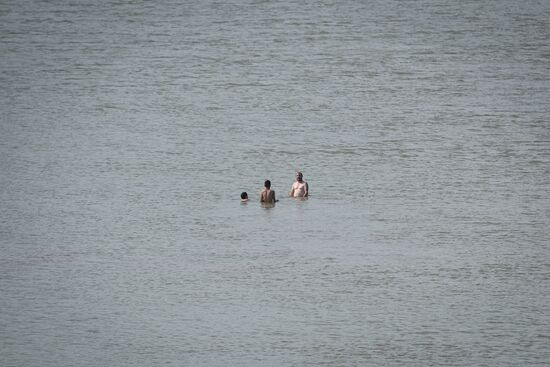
column 299, row 189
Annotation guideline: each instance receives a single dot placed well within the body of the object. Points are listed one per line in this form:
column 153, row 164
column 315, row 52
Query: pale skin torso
column 299, row 189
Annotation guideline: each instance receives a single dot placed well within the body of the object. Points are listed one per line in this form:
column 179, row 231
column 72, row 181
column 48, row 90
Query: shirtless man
column 267, row 195
column 300, row 188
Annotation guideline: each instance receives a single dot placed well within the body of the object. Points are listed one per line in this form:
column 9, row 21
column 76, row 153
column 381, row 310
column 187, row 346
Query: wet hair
column 244, row 195
column 267, row 184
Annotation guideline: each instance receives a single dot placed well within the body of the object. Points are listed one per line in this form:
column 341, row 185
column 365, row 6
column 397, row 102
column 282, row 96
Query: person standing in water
column 300, row 188
column 267, row 195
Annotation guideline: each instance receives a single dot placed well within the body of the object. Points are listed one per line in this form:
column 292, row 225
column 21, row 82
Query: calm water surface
column 128, row 130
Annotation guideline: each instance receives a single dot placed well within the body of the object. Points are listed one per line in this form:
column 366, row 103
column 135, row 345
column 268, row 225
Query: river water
column 128, row 130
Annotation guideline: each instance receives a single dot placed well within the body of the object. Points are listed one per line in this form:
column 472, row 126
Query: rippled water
column 129, row 129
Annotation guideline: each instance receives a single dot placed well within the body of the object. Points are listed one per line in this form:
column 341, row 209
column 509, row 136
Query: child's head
column 244, row 195
column 267, row 184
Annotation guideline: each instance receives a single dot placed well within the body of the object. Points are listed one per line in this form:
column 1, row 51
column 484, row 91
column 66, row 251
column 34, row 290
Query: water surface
column 129, row 129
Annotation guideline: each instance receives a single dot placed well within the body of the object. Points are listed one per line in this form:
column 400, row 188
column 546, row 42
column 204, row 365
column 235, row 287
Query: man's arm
column 306, row 193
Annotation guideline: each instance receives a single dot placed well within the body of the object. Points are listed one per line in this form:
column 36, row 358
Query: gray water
column 128, row 130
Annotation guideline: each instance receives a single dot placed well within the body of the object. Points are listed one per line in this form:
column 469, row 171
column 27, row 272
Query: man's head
column 267, row 184
column 244, row 195
column 299, row 176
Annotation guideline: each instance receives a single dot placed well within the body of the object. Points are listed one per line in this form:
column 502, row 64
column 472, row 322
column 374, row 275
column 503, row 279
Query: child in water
column 267, row 195
column 244, row 196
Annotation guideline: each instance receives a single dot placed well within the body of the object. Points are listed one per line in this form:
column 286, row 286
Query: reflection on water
column 128, row 132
